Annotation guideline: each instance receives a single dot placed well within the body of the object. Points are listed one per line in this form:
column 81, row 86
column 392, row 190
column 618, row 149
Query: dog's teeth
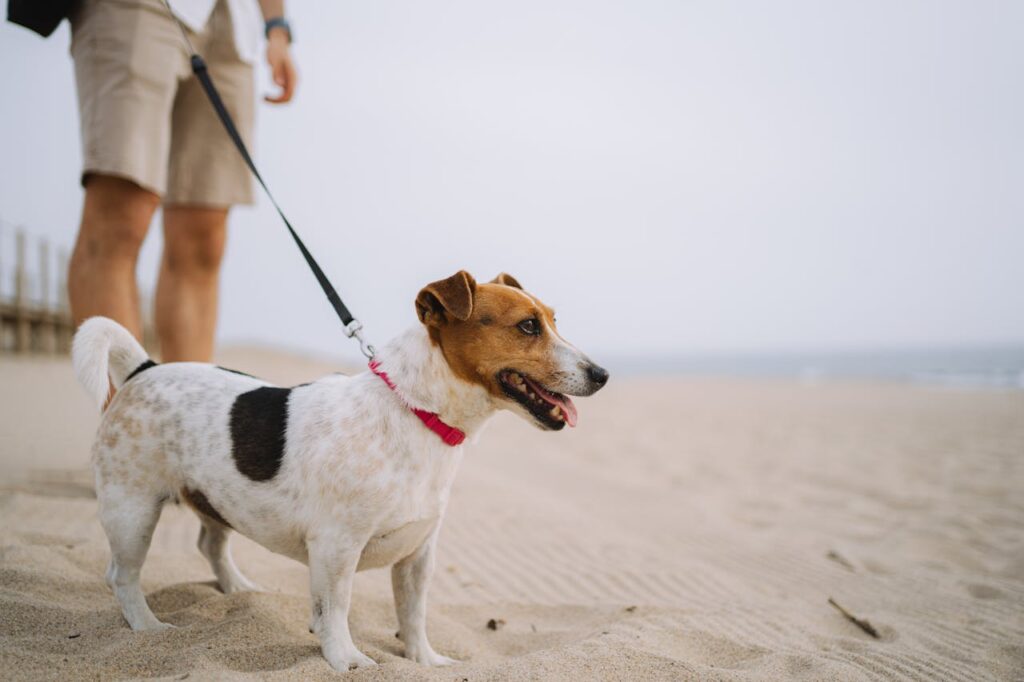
column 556, row 412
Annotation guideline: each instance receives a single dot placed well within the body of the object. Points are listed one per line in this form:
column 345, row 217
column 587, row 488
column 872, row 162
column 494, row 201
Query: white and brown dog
column 345, row 473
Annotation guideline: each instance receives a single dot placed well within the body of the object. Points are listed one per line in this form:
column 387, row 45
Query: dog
column 344, row 473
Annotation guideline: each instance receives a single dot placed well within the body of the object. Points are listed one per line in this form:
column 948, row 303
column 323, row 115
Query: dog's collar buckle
column 449, row 434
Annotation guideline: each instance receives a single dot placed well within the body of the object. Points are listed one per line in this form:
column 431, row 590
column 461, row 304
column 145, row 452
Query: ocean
column 994, row 367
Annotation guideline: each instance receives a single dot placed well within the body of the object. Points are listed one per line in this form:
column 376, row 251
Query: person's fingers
column 279, row 72
column 286, row 77
column 291, row 78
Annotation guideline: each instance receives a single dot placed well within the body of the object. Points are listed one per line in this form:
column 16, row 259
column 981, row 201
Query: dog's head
column 504, row 339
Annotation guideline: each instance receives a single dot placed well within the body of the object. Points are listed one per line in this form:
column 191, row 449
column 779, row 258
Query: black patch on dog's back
column 139, row 370
column 198, row 501
column 235, row 371
column 258, row 421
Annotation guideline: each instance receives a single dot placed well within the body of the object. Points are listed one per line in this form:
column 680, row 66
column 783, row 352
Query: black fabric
column 40, row 16
column 258, row 421
column 140, row 369
column 199, row 69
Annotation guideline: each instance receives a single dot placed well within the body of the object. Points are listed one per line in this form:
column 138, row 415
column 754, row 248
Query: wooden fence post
column 64, row 324
column 22, row 330
column 47, row 324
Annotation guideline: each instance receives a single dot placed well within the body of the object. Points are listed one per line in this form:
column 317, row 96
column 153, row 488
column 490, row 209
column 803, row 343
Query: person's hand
column 282, row 68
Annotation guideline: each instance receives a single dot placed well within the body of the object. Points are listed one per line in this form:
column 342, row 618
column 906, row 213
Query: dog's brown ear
column 508, row 280
column 447, row 299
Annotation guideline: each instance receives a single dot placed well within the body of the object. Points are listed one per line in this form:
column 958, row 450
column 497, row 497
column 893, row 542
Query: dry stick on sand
column 841, row 560
column 859, row 622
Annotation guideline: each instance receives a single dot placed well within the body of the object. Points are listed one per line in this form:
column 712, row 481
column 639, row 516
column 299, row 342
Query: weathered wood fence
column 34, row 312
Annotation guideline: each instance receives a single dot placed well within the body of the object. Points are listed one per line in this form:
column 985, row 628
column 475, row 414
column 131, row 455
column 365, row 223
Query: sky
column 673, row 177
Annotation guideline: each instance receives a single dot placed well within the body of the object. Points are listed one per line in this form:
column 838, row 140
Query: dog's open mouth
column 553, row 410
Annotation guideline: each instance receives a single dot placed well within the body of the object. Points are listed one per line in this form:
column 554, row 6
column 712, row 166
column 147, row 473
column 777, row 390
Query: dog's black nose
column 598, row 375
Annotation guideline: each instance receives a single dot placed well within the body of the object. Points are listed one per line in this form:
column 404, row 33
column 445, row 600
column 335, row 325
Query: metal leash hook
column 354, row 328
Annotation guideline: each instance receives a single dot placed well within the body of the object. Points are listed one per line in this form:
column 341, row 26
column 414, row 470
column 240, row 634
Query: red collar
column 449, row 434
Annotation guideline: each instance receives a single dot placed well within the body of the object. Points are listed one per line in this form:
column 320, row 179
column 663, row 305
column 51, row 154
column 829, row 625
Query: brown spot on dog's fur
column 198, row 501
column 110, row 437
column 132, row 427
column 122, row 418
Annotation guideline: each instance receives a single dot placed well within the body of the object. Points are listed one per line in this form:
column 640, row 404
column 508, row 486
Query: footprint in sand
column 980, row 591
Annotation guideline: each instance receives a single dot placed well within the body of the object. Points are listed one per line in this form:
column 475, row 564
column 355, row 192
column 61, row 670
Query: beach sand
column 687, row 529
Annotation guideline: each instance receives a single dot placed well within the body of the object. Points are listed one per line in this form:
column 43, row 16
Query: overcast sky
column 671, row 176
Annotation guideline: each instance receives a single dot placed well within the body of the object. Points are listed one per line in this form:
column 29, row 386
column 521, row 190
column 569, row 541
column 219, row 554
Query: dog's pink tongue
column 563, row 401
column 569, row 410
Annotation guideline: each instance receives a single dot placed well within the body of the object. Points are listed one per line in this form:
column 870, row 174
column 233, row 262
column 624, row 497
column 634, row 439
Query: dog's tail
column 102, row 348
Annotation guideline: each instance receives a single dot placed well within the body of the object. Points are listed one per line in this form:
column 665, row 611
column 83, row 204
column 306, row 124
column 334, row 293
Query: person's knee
column 194, row 241
column 115, row 219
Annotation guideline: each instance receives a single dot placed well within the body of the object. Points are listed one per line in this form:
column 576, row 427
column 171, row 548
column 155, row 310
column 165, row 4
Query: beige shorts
column 144, row 115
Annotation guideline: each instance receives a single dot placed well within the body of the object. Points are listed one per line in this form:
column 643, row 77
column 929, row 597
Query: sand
column 687, row 529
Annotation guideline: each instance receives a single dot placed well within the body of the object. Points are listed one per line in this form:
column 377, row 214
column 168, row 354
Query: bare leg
column 213, row 543
column 101, row 276
column 186, row 293
column 410, row 578
column 331, row 572
column 129, row 523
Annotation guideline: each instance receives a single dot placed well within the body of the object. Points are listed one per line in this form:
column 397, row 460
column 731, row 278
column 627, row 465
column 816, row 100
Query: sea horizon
column 997, row 366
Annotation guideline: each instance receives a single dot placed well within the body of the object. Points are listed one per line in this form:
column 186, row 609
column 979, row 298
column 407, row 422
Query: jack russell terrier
column 343, row 474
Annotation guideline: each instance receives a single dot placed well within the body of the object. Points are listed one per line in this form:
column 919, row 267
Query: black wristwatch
column 278, row 22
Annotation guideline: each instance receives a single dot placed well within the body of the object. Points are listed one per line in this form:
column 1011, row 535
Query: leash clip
column 354, row 329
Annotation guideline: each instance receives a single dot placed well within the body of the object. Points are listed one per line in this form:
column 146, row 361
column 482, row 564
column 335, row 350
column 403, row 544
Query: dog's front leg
column 331, row 570
column 410, row 578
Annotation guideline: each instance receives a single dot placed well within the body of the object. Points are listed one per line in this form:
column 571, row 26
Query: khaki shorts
column 144, row 115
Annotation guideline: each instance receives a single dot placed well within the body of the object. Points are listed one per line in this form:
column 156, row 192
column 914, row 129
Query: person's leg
column 186, row 293
column 101, row 277
column 204, row 171
column 128, row 60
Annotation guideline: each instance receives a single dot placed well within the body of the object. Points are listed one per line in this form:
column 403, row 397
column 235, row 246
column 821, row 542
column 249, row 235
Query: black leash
column 352, row 326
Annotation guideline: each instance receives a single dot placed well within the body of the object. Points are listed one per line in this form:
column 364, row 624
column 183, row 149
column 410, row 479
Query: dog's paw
column 236, row 582
column 427, row 656
column 154, row 626
column 349, row 661
column 439, row 660
column 238, row 586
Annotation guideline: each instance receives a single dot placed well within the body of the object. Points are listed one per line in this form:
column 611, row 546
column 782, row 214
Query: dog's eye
column 530, row 326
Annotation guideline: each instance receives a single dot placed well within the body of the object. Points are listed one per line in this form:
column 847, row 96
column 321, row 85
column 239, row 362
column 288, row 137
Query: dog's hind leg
column 128, row 520
column 213, row 543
